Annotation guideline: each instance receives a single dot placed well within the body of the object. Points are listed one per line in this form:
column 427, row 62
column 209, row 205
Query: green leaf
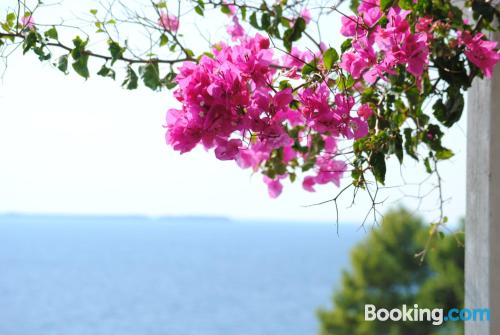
column 330, row 57
column 130, row 82
column 398, row 147
column 93, row 12
column 385, row 4
column 484, row 8
column 265, row 21
column 115, row 50
column 30, row 41
column 410, row 143
column 161, row 4
column 444, row 154
column 6, row 27
column 344, row 82
column 346, row 45
column 163, row 40
column 450, row 112
column 377, row 162
column 225, row 9
column 253, row 21
column 198, row 10
column 51, row 33
column 10, row 20
column 189, row 53
column 294, row 34
column 284, row 84
column 427, row 164
column 40, row 52
column 150, row 74
column 169, row 80
column 62, row 63
column 11, row 17
column 406, row 4
column 310, row 67
column 79, row 49
column 81, row 57
column 106, row 72
column 81, row 66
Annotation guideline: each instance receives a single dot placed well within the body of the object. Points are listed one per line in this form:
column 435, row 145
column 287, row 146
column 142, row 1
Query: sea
column 106, row 275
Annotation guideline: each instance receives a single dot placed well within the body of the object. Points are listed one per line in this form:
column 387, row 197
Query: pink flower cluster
column 229, row 103
column 378, row 51
column 28, row 21
column 480, row 51
column 169, row 22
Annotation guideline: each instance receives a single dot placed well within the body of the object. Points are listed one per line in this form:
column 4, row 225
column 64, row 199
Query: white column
column 482, row 226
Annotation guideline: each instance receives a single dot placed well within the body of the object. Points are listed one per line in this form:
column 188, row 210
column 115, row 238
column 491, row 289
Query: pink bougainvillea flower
column 235, row 30
column 274, row 186
column 306, row 15
column 28, row 21
column 365, row 111
column 359, row 128
column 352, row 26
column 371, row 17
column 361, row 59
column 227, row 150
column 424, row 24
column 357, row 26
column 481, row 52
column 399, row 46
column 367, row 5
column 297, row 58
column 308, row 184
column 169, row 22
column 329, row 170
column 232, row 8
column 416, row 53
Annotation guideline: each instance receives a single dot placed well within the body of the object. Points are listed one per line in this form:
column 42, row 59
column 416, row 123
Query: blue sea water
column 138, row 276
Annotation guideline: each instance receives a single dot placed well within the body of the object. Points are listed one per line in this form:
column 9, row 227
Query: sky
column 70, row 146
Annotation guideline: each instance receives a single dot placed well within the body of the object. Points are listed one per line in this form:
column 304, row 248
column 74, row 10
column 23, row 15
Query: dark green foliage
column 115, row 50
column 81, row 57
column 386, row 273
column 377, row 161
column 450, row 111
column 30, row 41
column 106, row 72
column 62, row 63
column 385, row 4
column 130, row 82
column 150, row 74
column 294, row 33
column 80, row 66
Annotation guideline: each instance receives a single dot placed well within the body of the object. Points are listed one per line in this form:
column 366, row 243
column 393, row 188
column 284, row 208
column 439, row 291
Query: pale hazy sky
column 90, row 147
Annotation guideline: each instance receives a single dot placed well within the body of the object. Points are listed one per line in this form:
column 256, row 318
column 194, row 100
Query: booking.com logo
column 435, row 315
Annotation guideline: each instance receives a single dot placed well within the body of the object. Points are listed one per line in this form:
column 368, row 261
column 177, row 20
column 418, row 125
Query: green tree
column 386, row 273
